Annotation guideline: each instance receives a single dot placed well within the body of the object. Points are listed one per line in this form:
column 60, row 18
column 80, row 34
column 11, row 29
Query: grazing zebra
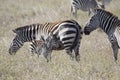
column 84, row 5
column 109, row 23
column 68, row 32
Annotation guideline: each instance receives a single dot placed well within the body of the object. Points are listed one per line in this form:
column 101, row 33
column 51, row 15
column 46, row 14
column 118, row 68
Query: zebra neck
column 26, row 38
column 109, row 25
column 109, row 29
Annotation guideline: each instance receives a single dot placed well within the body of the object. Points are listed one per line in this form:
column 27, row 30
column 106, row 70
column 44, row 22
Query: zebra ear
column 51, row 34
column 14, row 31
column 42, row 38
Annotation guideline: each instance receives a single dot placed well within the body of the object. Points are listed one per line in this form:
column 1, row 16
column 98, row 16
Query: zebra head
column 92, row 24
column 15, row 45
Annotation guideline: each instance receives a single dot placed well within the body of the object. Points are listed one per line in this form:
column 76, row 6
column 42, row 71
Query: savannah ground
column 97, row 62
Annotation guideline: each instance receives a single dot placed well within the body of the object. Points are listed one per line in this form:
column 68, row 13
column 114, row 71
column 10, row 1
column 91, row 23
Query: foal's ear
column 42, row 38
column 51, row 35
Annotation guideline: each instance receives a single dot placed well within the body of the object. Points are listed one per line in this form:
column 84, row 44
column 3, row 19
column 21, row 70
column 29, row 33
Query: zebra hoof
column 72, row 57
column 77, row 58
column 48, row 58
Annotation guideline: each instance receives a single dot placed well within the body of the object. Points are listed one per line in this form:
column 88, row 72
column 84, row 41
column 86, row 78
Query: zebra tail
column 117, row 35
column 79, row 33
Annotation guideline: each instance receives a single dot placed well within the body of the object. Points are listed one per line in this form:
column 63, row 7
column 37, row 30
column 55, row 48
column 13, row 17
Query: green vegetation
column 97, row 62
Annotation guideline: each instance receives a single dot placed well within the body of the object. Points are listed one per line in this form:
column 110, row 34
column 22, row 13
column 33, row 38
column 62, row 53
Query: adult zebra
column 84, row 5
column 109, row 23
column 68, row 32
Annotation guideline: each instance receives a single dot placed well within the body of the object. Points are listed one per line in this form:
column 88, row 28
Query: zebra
column 84, row 5
column 69, row 32
column 104, row 3
column 44, row 47
column 109, row 23
column 36, row 45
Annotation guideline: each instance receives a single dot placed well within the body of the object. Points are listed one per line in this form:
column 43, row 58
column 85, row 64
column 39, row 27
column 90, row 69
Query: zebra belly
column 117, row 35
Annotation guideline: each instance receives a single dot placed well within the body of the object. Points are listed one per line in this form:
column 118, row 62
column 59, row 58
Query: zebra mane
column 106, row 12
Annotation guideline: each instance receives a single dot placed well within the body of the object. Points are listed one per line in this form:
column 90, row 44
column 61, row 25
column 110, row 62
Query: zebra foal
column 46, row 46
column 68, row 33
column 109, row 23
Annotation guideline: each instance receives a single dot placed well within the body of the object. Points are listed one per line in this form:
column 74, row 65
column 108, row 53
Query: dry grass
column 96, row 63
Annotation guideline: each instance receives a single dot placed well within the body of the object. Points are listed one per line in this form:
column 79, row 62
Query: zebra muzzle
column 86, row 31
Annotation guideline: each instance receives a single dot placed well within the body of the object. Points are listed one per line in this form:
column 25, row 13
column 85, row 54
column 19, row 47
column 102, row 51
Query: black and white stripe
column 67, row 32
column 108, row 23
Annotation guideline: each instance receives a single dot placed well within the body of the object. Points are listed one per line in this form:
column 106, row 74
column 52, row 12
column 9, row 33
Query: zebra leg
column 103, row 6
column 89, row 13
column 47, row 56
column 36, row 48
column 74, row 11
column 77, row 55
column 39, row 50
column 115, row 50
column 69, row 52
column 46, row 53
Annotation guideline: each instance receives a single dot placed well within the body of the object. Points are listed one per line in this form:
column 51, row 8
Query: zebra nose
column 86, row 31
column 11, row 52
